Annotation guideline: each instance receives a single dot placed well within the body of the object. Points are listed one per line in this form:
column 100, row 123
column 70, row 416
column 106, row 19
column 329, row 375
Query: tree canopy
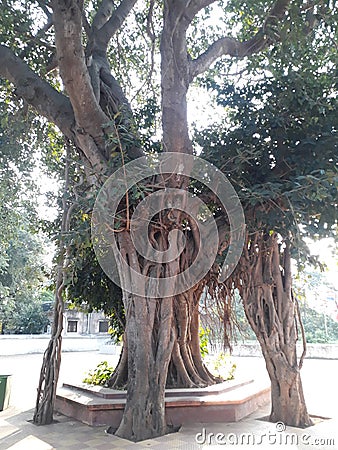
column 278, row 146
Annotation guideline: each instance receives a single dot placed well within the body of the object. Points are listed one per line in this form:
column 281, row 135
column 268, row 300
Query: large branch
column 74, row 73
column 48, row 102
column 233, row 47
column 103, row 14
column 193, row 7
column 107, row 31
column 41, row 95
column 175, row 77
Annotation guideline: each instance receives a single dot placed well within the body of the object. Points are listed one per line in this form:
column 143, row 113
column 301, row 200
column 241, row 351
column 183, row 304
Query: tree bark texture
column 186, row 368
column 162, row 339
column 49, row 374
column 266, row 291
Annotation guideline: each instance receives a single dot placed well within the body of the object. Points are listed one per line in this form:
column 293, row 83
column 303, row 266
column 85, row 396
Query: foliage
column 311, row 288
column 278, row 146
column 100, row 375
column 204, row 341
column 22, row 279
column 222, row 366
column 22, row 272
column 319, row 328
column 16, row 166
column 88, row 285
column 26, row 318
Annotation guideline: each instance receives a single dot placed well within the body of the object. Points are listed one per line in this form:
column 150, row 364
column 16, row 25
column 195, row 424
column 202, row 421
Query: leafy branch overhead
column 83, row 110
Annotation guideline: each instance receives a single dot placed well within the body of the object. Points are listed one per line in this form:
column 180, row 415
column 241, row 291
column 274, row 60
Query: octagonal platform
column 229, row 401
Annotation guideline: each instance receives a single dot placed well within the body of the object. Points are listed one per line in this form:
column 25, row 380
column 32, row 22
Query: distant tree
column 311, row 286
column 21, row 248
column 21, row 280
column 27, row 318
column 319, row 327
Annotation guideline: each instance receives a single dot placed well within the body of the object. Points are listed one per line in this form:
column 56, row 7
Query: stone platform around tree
column 229, row 401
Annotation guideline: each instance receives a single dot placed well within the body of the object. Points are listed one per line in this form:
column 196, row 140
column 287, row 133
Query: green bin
column 5, row 391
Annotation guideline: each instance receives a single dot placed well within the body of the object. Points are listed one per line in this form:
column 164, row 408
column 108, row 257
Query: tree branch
column 86, row 25
column 35, row 39
column 107, row 31
column 195, row 6
column 47, row 101
column 103, row 14
column 44, row 6
column 71, row 60
column 233, row 47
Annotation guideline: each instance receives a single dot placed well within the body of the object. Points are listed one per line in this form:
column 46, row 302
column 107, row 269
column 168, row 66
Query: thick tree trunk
column 272, row 313
column 186, row 368
column 150, row 341
column 288, row 402
column 160, row 332
column 144, row 415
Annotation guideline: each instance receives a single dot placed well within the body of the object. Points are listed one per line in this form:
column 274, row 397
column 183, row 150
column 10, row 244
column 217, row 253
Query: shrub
column 204, row 340
column 100, row 375
column 222, row 366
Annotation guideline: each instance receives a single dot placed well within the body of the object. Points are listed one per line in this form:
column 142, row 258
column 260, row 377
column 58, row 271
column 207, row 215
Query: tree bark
column 288, row 402
column 150, row 340
column 186, row 368
column 46, row 100
column 144, row 414
column 175, row 79
column 269, row 305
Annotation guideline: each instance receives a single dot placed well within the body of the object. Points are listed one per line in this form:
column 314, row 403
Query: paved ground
column 16, row 432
